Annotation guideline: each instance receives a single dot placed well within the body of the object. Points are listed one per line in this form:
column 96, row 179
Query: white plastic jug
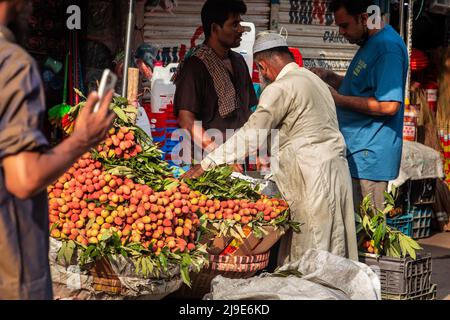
column 162, row 89
column 246, row 46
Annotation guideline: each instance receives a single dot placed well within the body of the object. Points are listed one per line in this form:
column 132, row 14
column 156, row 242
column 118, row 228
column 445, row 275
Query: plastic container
column 234, row 267
column 246, row 46
column 401, row 276
column 403, row 223
column 429, row 294
column 421, row 223
column 162, row 89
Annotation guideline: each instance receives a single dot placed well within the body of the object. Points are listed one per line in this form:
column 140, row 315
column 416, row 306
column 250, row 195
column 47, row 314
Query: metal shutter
column 173, row 33
column 310, row 27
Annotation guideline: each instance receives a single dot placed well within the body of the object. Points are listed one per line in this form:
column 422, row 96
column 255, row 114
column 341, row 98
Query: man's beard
column 364, row 38
column 263, row 81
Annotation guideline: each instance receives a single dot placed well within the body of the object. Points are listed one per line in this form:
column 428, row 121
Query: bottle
column 162, row 89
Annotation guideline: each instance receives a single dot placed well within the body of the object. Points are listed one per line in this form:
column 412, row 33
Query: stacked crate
column 416, row 201
column 403, row 278
column 163, row 124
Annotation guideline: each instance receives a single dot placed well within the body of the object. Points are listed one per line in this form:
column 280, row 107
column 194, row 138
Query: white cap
column 268, row 39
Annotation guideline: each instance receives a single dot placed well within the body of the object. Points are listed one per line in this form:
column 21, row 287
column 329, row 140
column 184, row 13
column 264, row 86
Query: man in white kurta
column 312, row 174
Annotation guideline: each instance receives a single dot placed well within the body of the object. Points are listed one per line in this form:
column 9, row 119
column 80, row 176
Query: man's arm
column 387, row 78
column 370, row 106
column 271, row 110
column 26, row 173
column 331, row 78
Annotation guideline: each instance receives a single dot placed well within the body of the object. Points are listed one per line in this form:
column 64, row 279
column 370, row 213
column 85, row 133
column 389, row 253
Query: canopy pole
column 409, row 31
column 126, row 64
column 401, row 18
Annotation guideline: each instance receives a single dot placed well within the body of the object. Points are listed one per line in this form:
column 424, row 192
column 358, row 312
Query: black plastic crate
column 421, row 192
column 429, row 294
column 401, row 276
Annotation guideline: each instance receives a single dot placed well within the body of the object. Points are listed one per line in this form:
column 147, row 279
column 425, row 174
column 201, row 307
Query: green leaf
column 61, row 251
column 54, row 225
column 185, row 276
column 172, row 185
column 68, row 253
column 130, row 109
column 119, row 112
column 257, row 231
column 90, row 223
column 240, row 231
column 235, row 234
column 163, row 260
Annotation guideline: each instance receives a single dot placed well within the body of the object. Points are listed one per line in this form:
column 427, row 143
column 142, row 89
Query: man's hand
column 336, row 96
column 237, row 168
column 91, row 128
column 195, row 172
column 21, row 177
column 328, row 76
column 321, row 72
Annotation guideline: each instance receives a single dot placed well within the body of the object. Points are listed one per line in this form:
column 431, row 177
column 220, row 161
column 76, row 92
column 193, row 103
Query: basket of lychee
column 103, row 214
column 243, row 227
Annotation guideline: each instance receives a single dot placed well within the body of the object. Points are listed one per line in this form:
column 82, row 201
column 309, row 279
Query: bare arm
column 186, row 119
column 27, row 173
column 329, row 77
column 365, row 105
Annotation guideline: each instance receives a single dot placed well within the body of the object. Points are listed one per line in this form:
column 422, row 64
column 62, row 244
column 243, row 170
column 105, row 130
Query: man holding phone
column 28, row 164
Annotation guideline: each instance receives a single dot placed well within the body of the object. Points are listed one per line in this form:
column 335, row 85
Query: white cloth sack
column 325, row 277
column 418, row 162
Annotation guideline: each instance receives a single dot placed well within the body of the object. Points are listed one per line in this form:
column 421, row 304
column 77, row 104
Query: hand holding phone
column 107, row 83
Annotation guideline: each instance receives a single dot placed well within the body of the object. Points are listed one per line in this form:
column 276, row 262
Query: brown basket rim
column 239, row 259
column 243, row 268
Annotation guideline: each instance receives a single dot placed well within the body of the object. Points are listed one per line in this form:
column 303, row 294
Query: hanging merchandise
column 410, row 121
column 443, row 110
column 431, row 88
column 419, row 60
column 56, row 113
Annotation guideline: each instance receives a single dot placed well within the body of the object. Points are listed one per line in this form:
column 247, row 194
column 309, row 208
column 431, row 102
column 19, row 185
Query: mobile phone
column 108, row 82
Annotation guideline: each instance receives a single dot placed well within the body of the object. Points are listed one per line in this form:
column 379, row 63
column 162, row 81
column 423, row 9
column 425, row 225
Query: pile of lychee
column 121, row 143
column 242, row 210
column 86, row 202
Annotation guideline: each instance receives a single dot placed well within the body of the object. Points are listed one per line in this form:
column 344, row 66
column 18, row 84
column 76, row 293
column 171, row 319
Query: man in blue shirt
column 370, row 98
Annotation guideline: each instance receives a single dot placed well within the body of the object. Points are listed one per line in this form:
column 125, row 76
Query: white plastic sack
column 325, row 277
column 266, row 185
column 418, row 162
column 71, row 282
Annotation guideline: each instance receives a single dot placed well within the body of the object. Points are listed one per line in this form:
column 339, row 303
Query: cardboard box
column 250, row 246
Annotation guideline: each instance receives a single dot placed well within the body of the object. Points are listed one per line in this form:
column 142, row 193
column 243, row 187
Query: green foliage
column 218, row 183
column 147, row 264
column 233, row 228
column 371, row 224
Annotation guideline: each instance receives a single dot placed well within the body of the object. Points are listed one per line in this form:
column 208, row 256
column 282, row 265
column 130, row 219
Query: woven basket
column 234, row 267
column 104, row 278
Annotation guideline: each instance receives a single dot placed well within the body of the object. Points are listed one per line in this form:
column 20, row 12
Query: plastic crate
column 158, row 132
column 403, row 223
column 421, row 191
column 421, row 225
column 429, row 294
column 401, row 276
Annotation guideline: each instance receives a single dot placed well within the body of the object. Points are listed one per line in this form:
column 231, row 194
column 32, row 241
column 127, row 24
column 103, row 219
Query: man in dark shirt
column 28, row 164
column 214, row 84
